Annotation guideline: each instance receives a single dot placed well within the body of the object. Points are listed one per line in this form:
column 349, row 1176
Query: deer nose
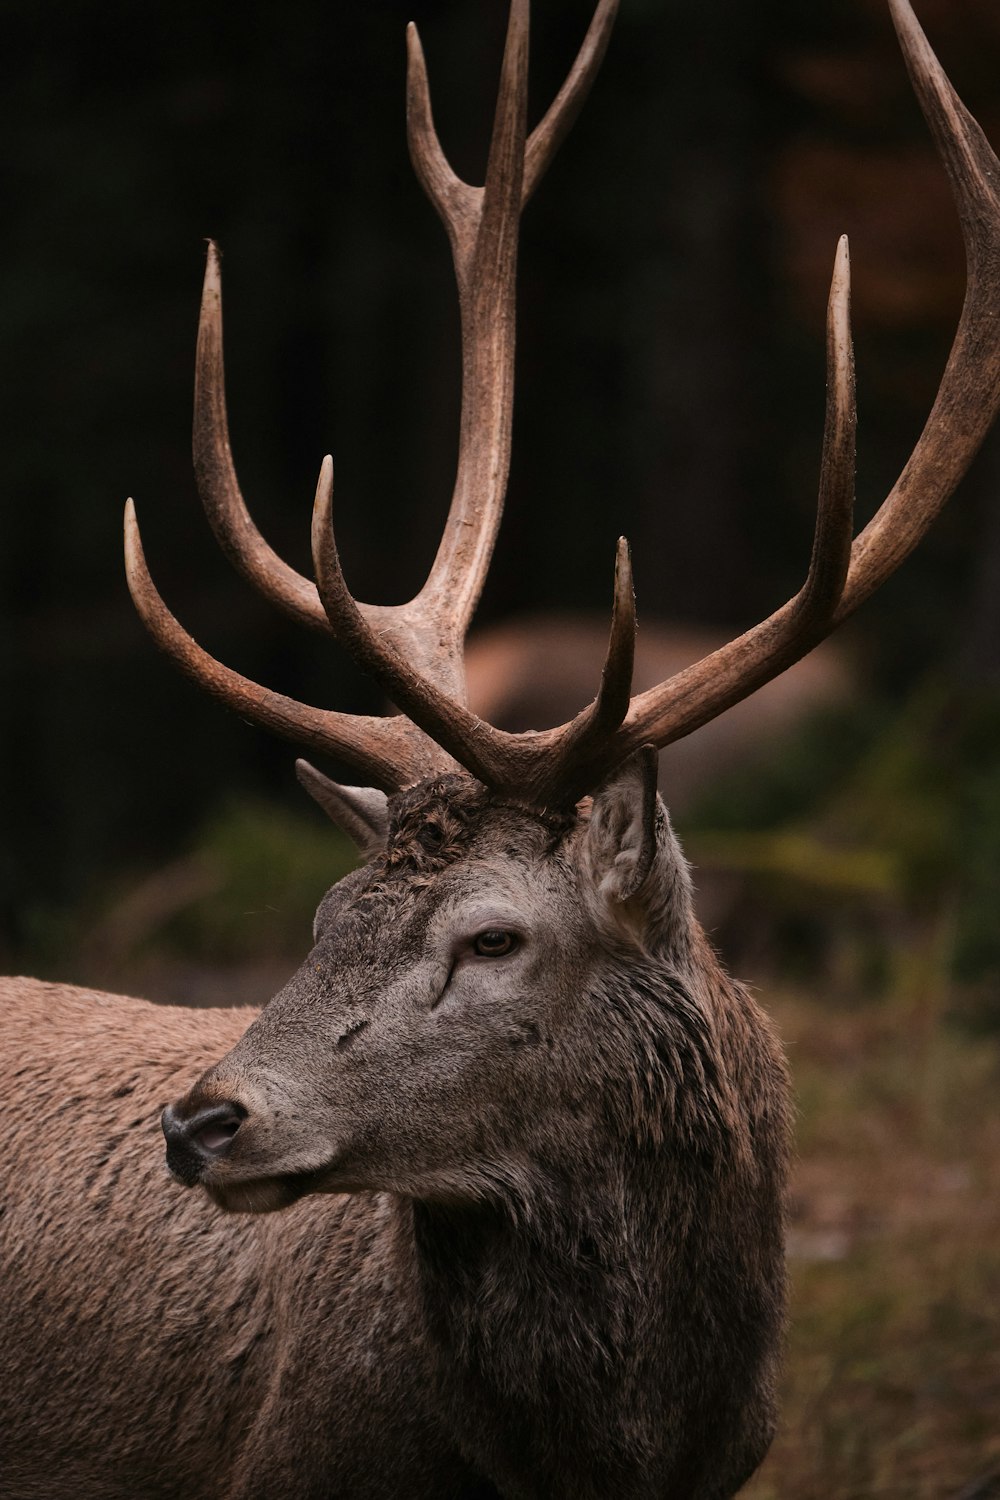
column 196, row 1142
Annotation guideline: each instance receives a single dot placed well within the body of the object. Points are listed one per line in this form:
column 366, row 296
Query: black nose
column 194, row 1143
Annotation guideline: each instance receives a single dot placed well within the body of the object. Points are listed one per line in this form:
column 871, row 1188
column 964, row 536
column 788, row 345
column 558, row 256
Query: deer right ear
column 636, row 873
column 362, row 812
column 621, row 836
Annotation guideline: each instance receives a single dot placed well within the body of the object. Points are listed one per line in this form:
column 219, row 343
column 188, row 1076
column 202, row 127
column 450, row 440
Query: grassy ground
column 892, row 1385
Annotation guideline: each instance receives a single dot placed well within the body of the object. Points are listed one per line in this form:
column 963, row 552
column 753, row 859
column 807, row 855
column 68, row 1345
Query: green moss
column 269, row 868
column 878, row 836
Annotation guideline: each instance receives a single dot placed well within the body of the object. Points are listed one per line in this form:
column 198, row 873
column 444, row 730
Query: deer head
column 422, row 1046
column 440, row 1009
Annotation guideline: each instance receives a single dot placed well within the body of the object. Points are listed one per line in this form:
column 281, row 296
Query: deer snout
column 199, row 1140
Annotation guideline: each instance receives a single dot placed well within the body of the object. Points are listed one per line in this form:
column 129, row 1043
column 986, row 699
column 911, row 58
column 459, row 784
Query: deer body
column 172, row 1380
column 588, row 1151
column 504, row 1161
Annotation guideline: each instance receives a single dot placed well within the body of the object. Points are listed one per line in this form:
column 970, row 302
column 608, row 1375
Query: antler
column 963, row 412
column 415, row 650
column 482, row 224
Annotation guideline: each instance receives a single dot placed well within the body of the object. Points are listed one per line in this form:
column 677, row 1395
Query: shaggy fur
column 531, row 1238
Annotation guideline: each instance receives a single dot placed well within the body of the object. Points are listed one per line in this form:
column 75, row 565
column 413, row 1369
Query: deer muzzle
column 198, row 1141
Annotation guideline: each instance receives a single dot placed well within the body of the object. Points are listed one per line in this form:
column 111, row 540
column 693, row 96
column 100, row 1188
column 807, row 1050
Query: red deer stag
column 527, row 1137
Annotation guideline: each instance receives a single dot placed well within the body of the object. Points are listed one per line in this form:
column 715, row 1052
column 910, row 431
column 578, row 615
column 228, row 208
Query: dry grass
column 892, row 1386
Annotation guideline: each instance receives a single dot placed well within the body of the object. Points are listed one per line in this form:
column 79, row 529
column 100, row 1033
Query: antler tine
column 454, row 200
column 549, row 134
column 392, row 751
column 234, row 528
column 564, row 772
column 705, row 689
column 215, row 472
column 553, row 767
column 968, row 397
column 831, row 554
column 611, row 704
column 482, row 226
column 449, row 724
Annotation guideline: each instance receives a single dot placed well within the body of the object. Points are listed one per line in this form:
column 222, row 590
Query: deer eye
column 495, row 942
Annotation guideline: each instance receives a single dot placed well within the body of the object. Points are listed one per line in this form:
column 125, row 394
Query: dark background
column 670, row 365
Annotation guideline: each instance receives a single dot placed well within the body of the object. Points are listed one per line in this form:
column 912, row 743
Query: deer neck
column 541, row 1320
column 550, row 1321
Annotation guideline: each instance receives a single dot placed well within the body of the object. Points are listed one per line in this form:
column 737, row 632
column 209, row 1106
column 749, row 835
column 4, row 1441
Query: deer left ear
column 621, row 836
column 636, row 872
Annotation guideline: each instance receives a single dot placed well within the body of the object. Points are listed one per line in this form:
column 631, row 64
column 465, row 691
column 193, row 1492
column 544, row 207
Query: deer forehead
column 440, row 868
column 505, row 872
column 433, row 824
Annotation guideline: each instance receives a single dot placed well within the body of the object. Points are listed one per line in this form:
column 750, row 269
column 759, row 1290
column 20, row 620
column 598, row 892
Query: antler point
column 213, row 267
column 414, row 46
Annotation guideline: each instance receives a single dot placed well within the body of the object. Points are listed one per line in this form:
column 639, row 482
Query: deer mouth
column 258, row 1195
column 269, row 1194
column 215, row 1147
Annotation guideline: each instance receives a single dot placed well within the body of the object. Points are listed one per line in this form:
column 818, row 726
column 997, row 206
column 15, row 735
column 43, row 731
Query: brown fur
column 531, row 1238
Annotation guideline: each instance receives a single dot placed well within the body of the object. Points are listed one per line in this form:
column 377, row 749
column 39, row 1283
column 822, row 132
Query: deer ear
column 637, row 875
column 359, row 811
column 621, row 835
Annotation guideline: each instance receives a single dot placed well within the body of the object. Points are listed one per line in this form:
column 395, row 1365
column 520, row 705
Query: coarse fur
column 531, row 1238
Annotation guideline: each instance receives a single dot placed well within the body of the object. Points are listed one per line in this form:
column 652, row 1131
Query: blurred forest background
column 673, row 281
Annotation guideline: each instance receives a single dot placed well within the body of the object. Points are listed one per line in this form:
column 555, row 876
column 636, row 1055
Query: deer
column 487, row 1201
